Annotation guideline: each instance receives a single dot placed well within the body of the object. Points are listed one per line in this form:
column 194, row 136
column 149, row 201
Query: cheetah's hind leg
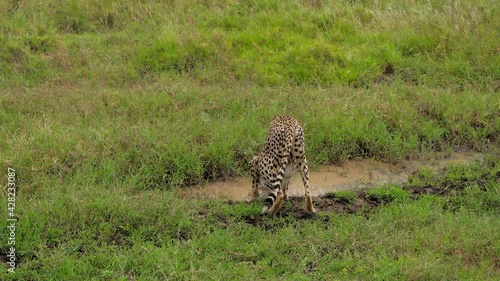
column 305, row 178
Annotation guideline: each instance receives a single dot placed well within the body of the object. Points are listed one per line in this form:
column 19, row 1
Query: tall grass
column 177, row 134
column 178, row 92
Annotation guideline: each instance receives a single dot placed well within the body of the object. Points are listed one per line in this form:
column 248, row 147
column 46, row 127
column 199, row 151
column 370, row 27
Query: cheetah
column 272, row 169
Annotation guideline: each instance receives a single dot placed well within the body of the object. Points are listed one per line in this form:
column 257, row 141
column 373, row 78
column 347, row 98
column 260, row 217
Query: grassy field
column 108, row 107
column 438, row 226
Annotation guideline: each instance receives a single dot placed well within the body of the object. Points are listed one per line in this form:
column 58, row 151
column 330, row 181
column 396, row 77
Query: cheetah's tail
column 268, row 202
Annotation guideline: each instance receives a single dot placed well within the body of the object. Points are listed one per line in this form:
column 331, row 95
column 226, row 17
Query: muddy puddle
column 350, row 175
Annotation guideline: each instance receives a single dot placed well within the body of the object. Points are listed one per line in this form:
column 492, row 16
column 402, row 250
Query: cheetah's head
column 254, row 163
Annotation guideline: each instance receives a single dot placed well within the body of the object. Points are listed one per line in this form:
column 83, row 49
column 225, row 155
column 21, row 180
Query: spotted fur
column 272, row 169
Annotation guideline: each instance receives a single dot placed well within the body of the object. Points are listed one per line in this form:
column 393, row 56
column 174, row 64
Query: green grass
column 347, row 196
column 71, row 233
column 386, row 194
column 108, row 107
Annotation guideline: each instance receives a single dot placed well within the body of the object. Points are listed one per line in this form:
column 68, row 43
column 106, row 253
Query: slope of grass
column 268, row 42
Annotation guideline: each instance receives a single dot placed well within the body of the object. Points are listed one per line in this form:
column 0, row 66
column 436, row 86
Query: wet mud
column 293, row 209
column 354, row 174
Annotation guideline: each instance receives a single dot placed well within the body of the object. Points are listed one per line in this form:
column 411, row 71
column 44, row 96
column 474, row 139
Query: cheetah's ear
column 253, row 161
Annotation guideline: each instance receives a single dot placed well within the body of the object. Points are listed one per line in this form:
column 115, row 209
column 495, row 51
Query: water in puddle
column 351, row 174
